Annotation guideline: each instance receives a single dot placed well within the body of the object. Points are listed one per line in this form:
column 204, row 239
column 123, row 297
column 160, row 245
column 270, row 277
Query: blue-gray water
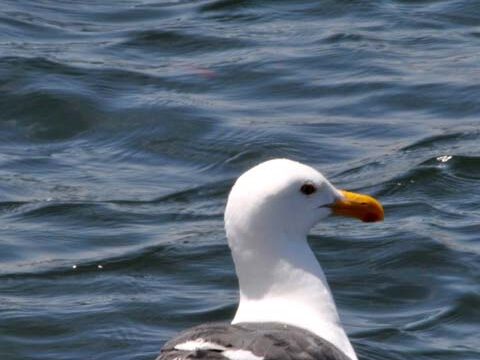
column 124, row 123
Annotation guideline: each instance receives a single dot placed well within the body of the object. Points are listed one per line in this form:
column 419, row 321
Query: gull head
column 285, row 196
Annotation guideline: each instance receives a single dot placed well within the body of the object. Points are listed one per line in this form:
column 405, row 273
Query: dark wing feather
column 272, row 341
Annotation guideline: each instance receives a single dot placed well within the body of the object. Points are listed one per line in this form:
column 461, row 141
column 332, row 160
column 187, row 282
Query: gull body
column 284, row 294
column 267, row 220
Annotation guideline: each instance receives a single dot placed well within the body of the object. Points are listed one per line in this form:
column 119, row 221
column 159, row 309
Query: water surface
column 124, row 124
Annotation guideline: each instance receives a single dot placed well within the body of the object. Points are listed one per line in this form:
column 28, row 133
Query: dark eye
column 308, row 189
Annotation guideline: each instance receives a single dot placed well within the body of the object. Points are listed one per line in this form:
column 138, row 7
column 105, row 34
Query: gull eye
column 308, row 188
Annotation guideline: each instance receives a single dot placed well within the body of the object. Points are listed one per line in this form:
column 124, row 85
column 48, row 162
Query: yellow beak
column 359, row 206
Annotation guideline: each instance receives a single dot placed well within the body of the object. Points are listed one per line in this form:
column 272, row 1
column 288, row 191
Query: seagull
column 286, row 309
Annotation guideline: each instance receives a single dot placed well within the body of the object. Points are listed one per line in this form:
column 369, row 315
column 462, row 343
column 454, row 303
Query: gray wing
column 249, row 341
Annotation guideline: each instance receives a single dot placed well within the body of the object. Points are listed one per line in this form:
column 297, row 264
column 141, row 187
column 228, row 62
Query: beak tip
column 372, row 217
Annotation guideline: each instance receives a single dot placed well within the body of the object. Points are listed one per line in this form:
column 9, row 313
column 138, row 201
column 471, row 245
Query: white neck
column 281, row 281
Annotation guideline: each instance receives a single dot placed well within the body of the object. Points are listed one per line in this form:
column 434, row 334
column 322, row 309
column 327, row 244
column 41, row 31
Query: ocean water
column 123, row 125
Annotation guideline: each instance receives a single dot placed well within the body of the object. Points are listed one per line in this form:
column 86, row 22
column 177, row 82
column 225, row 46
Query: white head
column 269, row 212
column 279, row 195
